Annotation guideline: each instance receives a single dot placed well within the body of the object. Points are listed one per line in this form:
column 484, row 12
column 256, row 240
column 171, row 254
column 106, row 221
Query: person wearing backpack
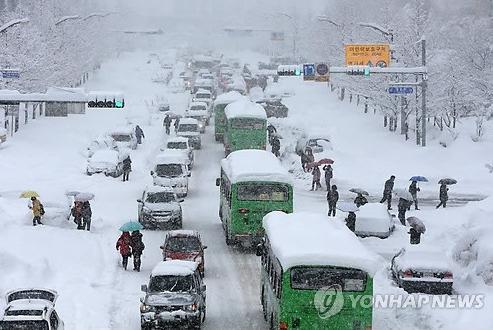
column 137, row 248
column 37, row 209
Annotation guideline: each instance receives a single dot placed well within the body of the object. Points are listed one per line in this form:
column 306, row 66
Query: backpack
column 41, row 209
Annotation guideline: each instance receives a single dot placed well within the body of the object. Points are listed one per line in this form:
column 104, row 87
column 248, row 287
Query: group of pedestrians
column 167, row 124
column 130, row 246
column 316, row 176
column 82, row 213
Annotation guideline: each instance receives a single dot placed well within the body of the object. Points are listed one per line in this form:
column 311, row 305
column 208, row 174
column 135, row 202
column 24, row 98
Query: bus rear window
column 315, row 278
column 263, row 192
column 247, row 123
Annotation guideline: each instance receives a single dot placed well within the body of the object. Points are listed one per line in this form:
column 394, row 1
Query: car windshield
column 188, row 128
column 315, row 278
column 247, row 123
column 169, row 170
column 202, row 96
column 171, row 283
column 177, row 145
column 24, row 325
column 198, row 107
column 30, row 312
column 122, row 137
column 263, row 192
column 183, row 244
column 160, row 197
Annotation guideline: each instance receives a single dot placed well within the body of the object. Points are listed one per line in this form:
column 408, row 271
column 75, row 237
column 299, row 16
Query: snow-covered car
column 274, row 108
column 424, row 271
column 175, row 296
column 203, row 95
column 316, row 142
column 31, row 309
column 184, row 245
column 159, row 207
column 163, row 105
column 171, row 171
column 100, row 143
column 180, row 155
column 181, row 143
column 124, row 137
column 109, row 162
column 189, row 128
column 204, row 84
column 373, row 219
column 200, row 111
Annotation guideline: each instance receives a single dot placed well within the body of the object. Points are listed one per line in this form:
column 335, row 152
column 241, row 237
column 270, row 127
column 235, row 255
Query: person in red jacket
column 124, row 245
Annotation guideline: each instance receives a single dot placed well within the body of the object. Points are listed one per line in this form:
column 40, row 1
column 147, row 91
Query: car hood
column 169, row 181
column 169, row 299
column 162, row 206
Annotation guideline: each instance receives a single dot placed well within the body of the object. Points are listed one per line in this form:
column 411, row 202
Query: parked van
column 171, row 170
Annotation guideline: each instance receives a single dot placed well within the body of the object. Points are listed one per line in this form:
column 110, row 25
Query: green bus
column 219, row 117
column 313, row 269
column 252, row 184
column 246, row 126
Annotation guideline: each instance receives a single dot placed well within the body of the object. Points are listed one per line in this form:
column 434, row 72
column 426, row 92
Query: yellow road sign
column 368, row 54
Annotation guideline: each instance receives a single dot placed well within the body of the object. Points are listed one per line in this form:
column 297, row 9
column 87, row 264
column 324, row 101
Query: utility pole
column 423, row 96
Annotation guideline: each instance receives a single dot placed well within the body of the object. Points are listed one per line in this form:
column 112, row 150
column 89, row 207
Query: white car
column 373, row 219
column 189, row 128
column 203, row 95
column 171, row 170
column 31, row 309
column 101, row 142
column 109, row 162
column 159, row 207
column 180, row 143
column 124, row 137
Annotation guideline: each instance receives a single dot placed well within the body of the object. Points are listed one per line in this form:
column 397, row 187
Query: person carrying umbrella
column 37, row 209
column 316, row 178
column 413, row 190
column 387, row 192
column 167, row 123
column 332, row 198
column 329, row 173
column 138, row 247
column 77, row 214
column 127, row 168
column 139, row 134
column 443, row 195
column 86, row 216
column 360, row 200
column 124, row 246
column 417, row 228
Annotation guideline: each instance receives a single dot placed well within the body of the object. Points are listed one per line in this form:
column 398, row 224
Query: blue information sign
column 401, row 90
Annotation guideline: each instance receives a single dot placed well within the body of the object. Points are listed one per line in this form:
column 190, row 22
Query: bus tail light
column 407, row 273
column 283, row 326
column 448, row 275
column 243, row 210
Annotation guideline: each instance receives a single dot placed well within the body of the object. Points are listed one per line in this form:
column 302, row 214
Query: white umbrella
column 83, row 197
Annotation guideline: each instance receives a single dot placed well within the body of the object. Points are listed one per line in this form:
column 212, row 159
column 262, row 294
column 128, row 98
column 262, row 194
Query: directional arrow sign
column 401, row 90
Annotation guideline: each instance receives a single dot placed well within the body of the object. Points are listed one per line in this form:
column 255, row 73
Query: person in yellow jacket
column 37, row 209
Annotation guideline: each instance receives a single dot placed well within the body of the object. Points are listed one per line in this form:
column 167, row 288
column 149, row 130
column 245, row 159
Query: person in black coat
column 86, row 216
column 167, row 123
column 137, row 248
column 415, row 236
column 402, row 208
column 387, row 192
column 127, row 167
column 270, row 132
column 360, row 200
column 351, row 221
column 139, row 134
column 332, row 198
column 329, row 173
column 443, row 195
column 276, row 146
column 413, row 190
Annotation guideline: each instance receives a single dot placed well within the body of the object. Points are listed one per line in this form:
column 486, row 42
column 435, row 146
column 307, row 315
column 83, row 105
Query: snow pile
column 319, row 242
column 228, row 97
column 373, row 219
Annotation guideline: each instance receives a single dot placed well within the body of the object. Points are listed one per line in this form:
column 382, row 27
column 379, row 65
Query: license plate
column 428, row 275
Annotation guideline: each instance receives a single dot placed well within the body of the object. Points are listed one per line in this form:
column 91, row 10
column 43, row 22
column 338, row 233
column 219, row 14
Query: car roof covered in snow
column 171, row 156
column 182, row 232
column 228, row 97
column 373, row 211
column 174, row 267
column 418, row 258
column 319, row 242
column 188, row 121
column 197, row 103
column 122, row 130
column 105, row 155
column 254, row 165
column 203, row 82
column 245, row 109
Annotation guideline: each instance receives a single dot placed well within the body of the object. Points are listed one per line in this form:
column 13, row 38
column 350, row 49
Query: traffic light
column 106, row 103
column 358, row 71
column 289, row 70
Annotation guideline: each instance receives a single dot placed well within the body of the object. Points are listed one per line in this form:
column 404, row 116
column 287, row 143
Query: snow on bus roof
column 174, row 267
column 245, row 108
column 254, row 165
column 319, row 242
column 228, row 97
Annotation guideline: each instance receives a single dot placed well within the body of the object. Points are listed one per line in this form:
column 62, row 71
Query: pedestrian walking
column 276, row 146
column 37, row 209
column 167, row 123
column 316, row 178
column 329, row 173
column 402, row 208
column 414, row 236
column 127, row 168
column 387, row 192
column 360, row 200
column 351, row 221
column 332, row 198
column 413, row 190
column 86, row 216
column 139, row 134
column 309, row 158
column 270, row 132
column 137, row 249
column 77, row 214
column 124, row 246
column 176, row 124
column 443, row 196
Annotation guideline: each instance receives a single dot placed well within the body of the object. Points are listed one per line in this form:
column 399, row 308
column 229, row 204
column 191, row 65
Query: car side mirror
column 260, row 250
column 218, row 182
column 152, row 172
column 204, row 247
column 189, row 174
column 143, row 288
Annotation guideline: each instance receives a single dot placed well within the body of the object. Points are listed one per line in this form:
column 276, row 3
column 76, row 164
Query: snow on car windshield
column 160, row 197
column 183, row 244
column 177, row 145
column 171, row 283
column 169, row 170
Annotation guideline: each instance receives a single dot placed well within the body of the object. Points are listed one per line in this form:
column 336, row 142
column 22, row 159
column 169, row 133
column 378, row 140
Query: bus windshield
column 315, row 278
column 247, row 123
column 263, row 192
column 24, row 325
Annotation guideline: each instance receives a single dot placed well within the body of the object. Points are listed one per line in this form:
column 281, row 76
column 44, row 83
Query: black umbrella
column 447, row 181
column 417, row 224
column 359, row 191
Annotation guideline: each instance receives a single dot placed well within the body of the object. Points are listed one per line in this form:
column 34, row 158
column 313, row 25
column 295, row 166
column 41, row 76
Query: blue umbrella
column 418, row 178
column 131, row 226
